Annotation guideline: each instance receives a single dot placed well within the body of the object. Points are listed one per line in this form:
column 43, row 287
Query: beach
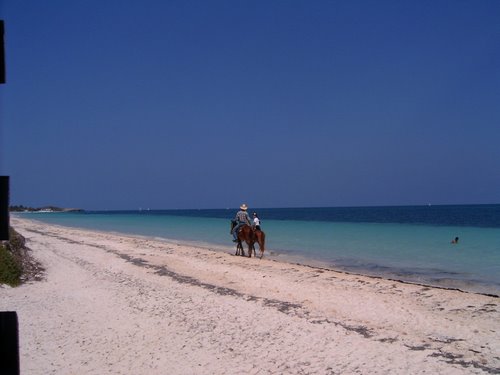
column 119, row 304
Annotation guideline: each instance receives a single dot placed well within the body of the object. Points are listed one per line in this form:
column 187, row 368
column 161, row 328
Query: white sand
column 114, row 304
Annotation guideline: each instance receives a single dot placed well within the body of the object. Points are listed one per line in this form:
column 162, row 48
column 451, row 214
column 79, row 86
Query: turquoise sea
column 405, row 243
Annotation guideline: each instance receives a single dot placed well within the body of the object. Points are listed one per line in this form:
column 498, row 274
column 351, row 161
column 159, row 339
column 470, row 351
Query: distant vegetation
column 16, row 263
column 44, row 209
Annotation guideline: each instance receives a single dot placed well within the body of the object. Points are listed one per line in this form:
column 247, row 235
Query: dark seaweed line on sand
column 402, row 281
column 455, row 360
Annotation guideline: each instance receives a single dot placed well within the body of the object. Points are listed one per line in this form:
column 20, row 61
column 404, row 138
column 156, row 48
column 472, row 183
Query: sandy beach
column 116, row 304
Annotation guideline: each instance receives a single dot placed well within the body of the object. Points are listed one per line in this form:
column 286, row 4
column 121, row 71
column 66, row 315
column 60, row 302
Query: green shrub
column 10, row 269
column 16, row 244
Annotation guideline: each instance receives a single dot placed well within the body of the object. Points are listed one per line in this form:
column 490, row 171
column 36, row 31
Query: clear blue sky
column 208, row 104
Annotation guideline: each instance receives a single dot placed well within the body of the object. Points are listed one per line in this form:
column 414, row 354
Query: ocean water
column 405, row 243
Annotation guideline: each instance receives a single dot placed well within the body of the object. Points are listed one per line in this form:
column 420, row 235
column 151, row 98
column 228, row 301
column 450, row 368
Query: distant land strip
column 22, row 208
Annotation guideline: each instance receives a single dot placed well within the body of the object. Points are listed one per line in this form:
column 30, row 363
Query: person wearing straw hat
column 241, row 219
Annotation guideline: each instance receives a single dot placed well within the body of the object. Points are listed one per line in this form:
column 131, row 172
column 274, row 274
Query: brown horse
column 249, row 235
column 245, row 234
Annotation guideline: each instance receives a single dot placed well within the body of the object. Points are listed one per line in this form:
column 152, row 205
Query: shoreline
column 391, row 274
column 129, row 304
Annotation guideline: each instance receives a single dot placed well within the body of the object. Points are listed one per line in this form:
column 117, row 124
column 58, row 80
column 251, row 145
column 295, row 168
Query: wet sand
column 130, row 305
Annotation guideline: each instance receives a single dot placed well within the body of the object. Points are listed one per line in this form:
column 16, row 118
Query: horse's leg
column 237, row 249
column 262, row 239
column 240, row 238
column 251, row 248
column 242, row 249
column 260, row 247
column 251, row 243
column 255, row 250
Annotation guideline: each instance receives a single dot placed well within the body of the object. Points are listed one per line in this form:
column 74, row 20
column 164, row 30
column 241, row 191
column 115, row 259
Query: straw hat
column 244, row 207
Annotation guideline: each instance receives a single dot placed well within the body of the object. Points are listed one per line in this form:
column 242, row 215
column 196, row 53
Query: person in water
column 241, row 219
column 454, row 241
column 256, row 221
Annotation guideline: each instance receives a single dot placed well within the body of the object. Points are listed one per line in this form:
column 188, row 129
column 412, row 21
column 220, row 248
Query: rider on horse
column 241, row 219
column 256, row 221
